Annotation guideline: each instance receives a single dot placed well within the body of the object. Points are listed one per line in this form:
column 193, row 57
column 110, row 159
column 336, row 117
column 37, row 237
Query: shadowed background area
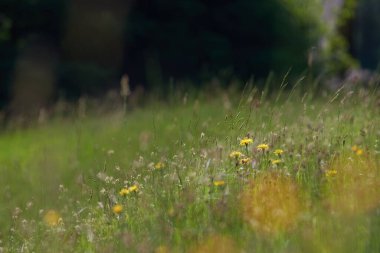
column 52, row 49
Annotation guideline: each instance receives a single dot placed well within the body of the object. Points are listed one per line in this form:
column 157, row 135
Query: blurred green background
column 52, row 49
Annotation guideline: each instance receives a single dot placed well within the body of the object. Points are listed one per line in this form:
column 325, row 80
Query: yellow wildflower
column 235, row 154
column 117, row 209
column 246, row 142
column 123, row 192
column 126, row 191
column 245, row 161
column 52, row 218
column 263, row 147
column 219, row 183
column 159, row 165
column 277, row 161
column 331, row 173
column 133, row 188
column 278, row 151
column 359, row 151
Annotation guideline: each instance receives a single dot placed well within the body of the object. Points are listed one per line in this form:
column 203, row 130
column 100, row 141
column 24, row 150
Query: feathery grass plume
column 124, row 90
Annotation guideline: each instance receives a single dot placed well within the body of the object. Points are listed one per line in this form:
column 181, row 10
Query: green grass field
column 164, row 178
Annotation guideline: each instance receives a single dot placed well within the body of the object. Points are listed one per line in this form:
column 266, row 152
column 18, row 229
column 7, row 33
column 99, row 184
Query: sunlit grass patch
column 353, row 183
column 271, row 203
column 216, row 243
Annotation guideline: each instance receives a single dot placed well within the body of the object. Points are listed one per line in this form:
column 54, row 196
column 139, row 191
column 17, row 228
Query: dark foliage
column 161, row 39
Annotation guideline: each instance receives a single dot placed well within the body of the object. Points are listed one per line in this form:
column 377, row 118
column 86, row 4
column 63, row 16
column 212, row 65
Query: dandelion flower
column 235, row 154
column 52, row 218
column 278, row 152
column 117, row 209
column 246, row 142
column 159, row 165
column 263, row 147
column 277, row 161
column 124, row 192
column 359, row 151
column 331, row 173
column 219, row 183
column 245, row 161
column 133, row 188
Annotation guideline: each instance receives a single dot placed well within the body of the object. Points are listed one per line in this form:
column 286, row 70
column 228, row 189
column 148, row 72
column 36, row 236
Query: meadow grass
column 304, row 177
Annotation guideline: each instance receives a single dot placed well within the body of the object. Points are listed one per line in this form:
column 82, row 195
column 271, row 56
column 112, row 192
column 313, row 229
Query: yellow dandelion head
column 245, row 161
column 271, row 203
column 359, row 151
column 278, row 152
column 52, row 218
column 133, row 188
column 216, row 243
column 117, row 209
column 246, row 141
column 331, row 173
column 219, row 183
column 355, row 189
column 277, row 161
column 235, row 154
column 123, row 192
column 159, row 165
column 262, row 147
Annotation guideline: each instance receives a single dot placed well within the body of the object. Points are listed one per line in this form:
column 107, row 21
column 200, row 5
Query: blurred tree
column 365, row 40
column 181, row 39
column 154, row 40
column 92, row 46
column 337, row 54
column 22, row 23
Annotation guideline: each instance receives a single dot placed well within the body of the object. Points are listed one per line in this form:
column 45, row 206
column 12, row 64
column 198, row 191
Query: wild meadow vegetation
column 285, row 171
